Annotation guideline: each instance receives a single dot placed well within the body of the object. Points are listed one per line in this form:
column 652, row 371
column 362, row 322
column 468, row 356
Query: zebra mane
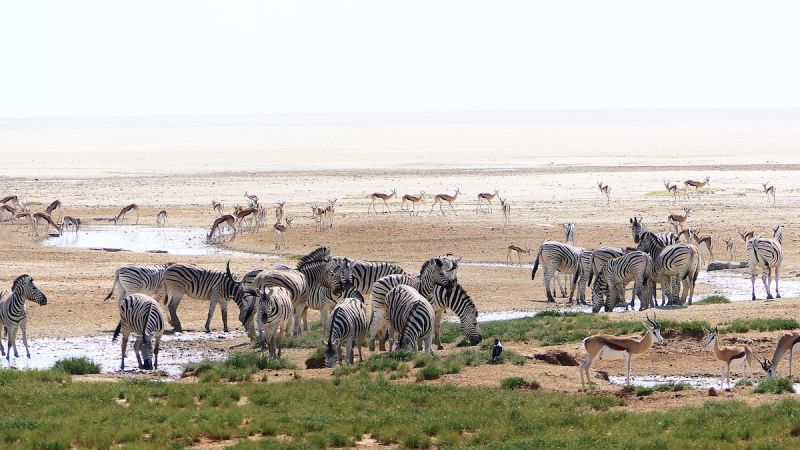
column 321, row 254
column 427, row 264
column 25, row 278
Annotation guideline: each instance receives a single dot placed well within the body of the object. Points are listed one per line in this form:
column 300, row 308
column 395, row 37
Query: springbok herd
column 404, row 309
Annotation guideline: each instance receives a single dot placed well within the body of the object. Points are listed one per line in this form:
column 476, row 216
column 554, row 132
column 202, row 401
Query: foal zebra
column 348, row 327
column 140, row 314
column 457, row 300
column 275, row 315
column 634, row 266
column 412, row 316
column 556, row 256
column 13, row 313
column 134, row 279
column 768, row 254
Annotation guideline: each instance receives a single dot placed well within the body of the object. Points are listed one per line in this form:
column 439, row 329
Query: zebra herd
column 405, row 309
column 657, row 260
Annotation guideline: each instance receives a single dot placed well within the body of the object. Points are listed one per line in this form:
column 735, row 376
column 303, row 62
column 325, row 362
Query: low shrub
column 77, row 366
column 774, row 386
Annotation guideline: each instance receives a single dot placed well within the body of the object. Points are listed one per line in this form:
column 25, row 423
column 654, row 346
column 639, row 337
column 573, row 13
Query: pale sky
column 108, row 58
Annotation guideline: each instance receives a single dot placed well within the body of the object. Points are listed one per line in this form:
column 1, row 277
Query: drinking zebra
column 676, row 266
column 457, row 300
column 13, row 313
column 599, row 259
column 348, row 326
column 140, row 314
column 135, row 279
column 212, row 285
column 634, row 266
column 412, row 316
column 275, row 315
column 768, row 254
column 557, row 256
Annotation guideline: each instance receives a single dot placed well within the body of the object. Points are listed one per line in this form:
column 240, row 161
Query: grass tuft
column 774, row 386
column 713, row 300
column 77, row 366
column 519, row 383
column 237, row 367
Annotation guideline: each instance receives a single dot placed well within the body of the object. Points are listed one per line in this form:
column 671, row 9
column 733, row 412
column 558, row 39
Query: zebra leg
column 360, row 344
column 281, row 330
column 428, row 340
column 548, row 277
column 172, row 306
column 23, row 325
column 777, row 269
column 349, row 345
column 212, row 305
column 155, row 351
column 12, row 342
column 437, row 324
column 2, row 350
column 124, row 349
column 753, row 281
column 766, row 283
column 137, row 350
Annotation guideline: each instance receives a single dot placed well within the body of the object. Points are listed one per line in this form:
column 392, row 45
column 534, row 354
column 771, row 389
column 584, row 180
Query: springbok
column 217, row 207
column 330, row 210
column 219, row 223
column 41, row 217
column 488, row 197
column 318, row 213
column 601, row 346
column 248, row 215
column 7, row 213
column 279, row 211
column 519, row 251
column 379, row 195
column 53, row 207
column 252, row 200
column 439, row 198
column 695, row 184
column 685, row 235
column 786, row 343
column 24, row 218
column 69, row 221
column 604, row 191
column 730, row 248
column 279, row 230
column 10, row 198
column 124, row 212
column 737, row 355
column 747, row 235
column 505, row 206
column 672, row 189
column 161, row 218
column 770, row 191
column 704, row 240
column 677, row 219
column 413, row 199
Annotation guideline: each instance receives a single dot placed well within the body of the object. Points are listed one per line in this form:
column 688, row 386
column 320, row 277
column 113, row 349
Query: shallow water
column 655, row 380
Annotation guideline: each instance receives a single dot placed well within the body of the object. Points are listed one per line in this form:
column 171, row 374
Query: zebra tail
column 575, row 278
column 116, row 331
column 536, row 263
column 113, row 286
column 591, row 275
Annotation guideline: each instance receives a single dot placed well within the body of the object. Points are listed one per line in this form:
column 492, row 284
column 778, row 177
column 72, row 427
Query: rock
column 157, row 251
column 557, row 357
column 712, row 392
column 718, row 265
column 602, row 374
column 315, row 363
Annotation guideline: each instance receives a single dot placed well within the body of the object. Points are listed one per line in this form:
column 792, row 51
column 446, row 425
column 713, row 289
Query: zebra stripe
column 275, row 314
column 140, row 314
column 768, row 254
column 676, row 265
column 412, row 315
column 638, row 229
column 365, row 274
column 634, row 266
column 348, row 326
column 557, row 256
column 13, row 314
column 457, row 300
column 134, row 279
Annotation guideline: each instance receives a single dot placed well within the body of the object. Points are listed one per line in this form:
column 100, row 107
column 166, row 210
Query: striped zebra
column 348, row 326
column 768, row 254
column 212, row 285
column 140, row 314
column 134, row 279
column 633, row 266
column 275, row 316
column 412, row 316
column 440, row 270
column 324, row 300
column 13, row 313
column 591, row 263
column 557, row 256
column 638, row 229
column 457, row 300
column 676, row 266
column 569, row 238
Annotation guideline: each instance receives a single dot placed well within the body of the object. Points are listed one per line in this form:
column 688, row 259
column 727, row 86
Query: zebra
column 591, row 263
column 634, row 266
column 13, row 313
column 140, row 314
column 767, row 253
column 582, row 275
column 412, row 315
column 324, row 300
column 212, row 285
column 676, row 265
column 348, row 326
column 275, row 315
column 557, row 256
column 135, row 279
column 440, row 270
column 569, row 238
column 638, row 229
column 457, row 300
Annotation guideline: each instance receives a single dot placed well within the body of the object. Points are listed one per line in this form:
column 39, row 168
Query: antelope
column 279, row 211
column 248, row 214
column 686, row 235
column 252, row 200
column 519, row 251
column 672, row 189
column 24, row 218
column 728, row 355
column 746, row 236
column 330, row 210
column 279, row 230
column 318, row 213
column 217, row 207
column 705, row 240
column 439, row 198
column 677, row 219
column 161, row 218
column 124, row 212
column 695, row 184
column 10, row 198
column 786, row 343
column 55, row 206
column 44, row 217
column 379, row 195
column 505, row 206
column 220, row 222
column 729, row 247
column 602, row 346
column 413, row 199
column 770, row 191
column 7, row 213
column 488, row 197
column 69, row 221
column 604, row 191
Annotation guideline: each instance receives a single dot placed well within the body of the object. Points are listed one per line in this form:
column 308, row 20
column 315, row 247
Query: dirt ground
column 76, row 280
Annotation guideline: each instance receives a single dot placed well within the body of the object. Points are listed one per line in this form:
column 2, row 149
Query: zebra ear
column 438, row 262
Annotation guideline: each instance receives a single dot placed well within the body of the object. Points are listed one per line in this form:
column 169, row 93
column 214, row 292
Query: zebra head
column 777, row 233
column 248, row 299
column 469, row 325
column 637, row 228
column 442, row 269
column 331, row 352
column 147, row 352
column 599, row 291
column 339, row 276
column 25, row 288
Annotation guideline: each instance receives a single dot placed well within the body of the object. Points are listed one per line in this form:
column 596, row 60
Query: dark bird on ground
column 496, row 351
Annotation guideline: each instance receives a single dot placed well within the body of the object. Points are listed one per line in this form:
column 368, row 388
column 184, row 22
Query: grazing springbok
column 488, row 197
column 770, row 191
column 68, row 222
column 736, row 355
column 439, row 198
column 44, row 219
column 730, row 248
column 252, row 200
column 123, row 213
column 55, row 207
column 379, row 195
column 279, row 211
column 672, row 189
column 677, row 219
column 747, row 235
column 604, row 191
column 279, row 230
column 786, row 343
column 706, row 241
column 217, row 207
column 601, row 346
column 219, row 223
column 519, row 251
column 161, row 218
column 413, row 199
column 24, row 218
column 695, row 184
column 505, row 206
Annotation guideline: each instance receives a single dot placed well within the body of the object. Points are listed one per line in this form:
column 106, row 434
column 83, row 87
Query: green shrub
column 745, row 325
column 431, row 372
column 77, row 366
column 774, row 386
column 713, row 300
column 518, row 383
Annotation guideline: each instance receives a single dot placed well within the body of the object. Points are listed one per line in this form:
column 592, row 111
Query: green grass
column 46, row 410
column 745, row 325
column 713, row 300
column 237, row 367
column 518, row 383
column 309, row 339
column 642, row 391
column 774, row 386
column 77, row 366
